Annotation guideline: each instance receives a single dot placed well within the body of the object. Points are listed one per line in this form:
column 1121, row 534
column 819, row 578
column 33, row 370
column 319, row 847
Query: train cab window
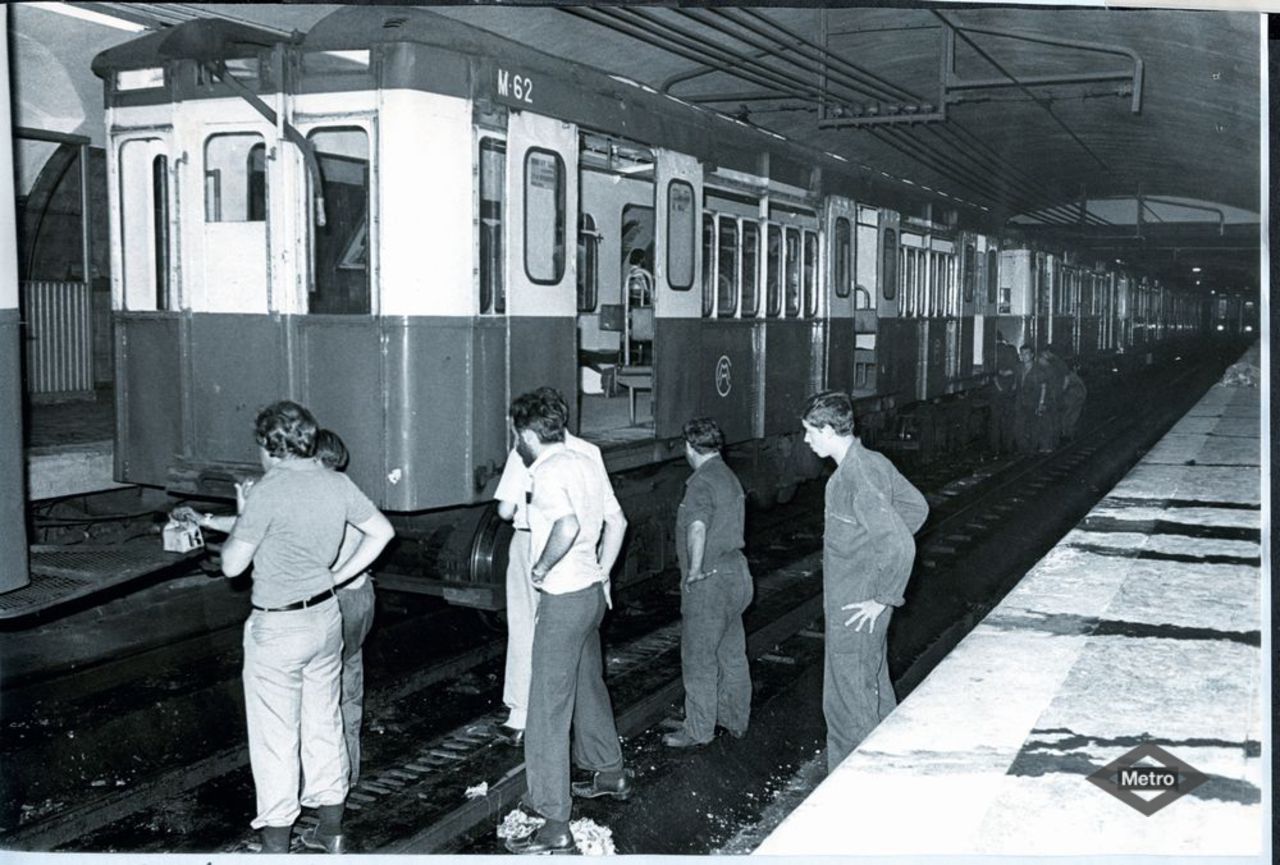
column 144, row 228
column 750, row 269
column 493, row 192
column 810, row 274
column 727, row 267
column 234, row 180
column 970, row 271
column 773, row 273
column 993, row 275
column 340, row 281
column 708, row 265
column 889, row 268
column 682, row 225
column 544, row 216
column 843, row 256
column 588, row 271
column 791, row 270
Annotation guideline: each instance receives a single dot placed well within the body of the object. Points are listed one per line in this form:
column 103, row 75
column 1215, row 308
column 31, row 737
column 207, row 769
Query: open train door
column 840, row 219
column 542, row 196
column 677, row 298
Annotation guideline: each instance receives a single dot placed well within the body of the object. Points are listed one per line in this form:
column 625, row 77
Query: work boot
column 275, row 839
column 553, row 837
column 616, row 784
column 681, row 739
column 314, row 839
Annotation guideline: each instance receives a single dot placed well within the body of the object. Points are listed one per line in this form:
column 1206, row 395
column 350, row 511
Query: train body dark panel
column 787, row 371
column 725, row 375
column 543, row 352
column 840, row 355
column 899, row 349
column 241, row 365
column 150, row 355
column 13, row 538
column 675, row 378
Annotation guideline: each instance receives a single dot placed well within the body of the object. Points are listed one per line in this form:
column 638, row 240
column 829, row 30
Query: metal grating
column 60, row 575
column 59, row 343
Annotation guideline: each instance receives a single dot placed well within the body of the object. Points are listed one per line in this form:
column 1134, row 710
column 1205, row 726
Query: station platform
column 69, row 447
column 1140, row 630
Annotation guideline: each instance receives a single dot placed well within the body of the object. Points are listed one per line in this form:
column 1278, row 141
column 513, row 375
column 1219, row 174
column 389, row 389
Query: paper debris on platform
column 479, row 791
column 518, row 824
column 591, row 838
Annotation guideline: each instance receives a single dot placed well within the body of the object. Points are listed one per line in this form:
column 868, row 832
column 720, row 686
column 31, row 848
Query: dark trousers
column 1003, row 412
column 713, row 651
column 357, row 619
column 567, row 691
column 856, row 691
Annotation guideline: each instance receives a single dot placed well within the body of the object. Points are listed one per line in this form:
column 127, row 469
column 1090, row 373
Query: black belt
column 350, row 580
column 518, row 529
column 299, row 605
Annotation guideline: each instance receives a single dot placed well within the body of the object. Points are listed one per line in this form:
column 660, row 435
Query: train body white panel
column 426, row 227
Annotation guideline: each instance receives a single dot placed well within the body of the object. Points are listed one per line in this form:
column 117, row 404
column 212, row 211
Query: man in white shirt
column 576, row 531
column 522, row 598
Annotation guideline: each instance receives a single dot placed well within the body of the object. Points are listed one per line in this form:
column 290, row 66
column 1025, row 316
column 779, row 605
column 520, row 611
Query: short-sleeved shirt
column 872, row 513
column 295, row 517
column 564, row 482
column 514, row 485
column 714, row 497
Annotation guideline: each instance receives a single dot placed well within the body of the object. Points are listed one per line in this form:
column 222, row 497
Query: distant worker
column 356, row 600
column 1031, row 399
column 576, row 536
column 1055, row 378
column 872, row 512
column 1004, row 402
column 715, row 590
column 522, row 596
column 291, row 529
column 1074, row 393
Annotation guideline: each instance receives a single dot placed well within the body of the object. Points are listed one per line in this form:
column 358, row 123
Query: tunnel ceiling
column 1058, row 120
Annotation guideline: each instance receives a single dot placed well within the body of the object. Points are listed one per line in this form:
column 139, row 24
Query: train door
column 944, row 343
column 677, row 304
column 895, row 340
column 725, row 357
column 841, row 372
column 867, row 264
column 913, row 334
column 542, row 196
column 615, row 288
column 969, row 268
column 794, row 327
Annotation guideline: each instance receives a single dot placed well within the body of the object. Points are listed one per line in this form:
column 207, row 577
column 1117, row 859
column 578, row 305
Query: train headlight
column 1220, row 327
column 1248, row 328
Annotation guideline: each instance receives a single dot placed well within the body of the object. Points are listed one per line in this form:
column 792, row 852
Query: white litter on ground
column 518, row 824
column 591, row 838
column 479, row 791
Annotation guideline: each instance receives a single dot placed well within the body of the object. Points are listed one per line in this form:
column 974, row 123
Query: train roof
column 463, row 60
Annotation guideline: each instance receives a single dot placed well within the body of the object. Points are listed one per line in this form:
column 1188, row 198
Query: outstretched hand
column 866, row 613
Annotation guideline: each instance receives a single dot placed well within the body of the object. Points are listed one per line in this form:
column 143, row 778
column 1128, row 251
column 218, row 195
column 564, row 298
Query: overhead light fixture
column 91, row 16
column 1195, row 270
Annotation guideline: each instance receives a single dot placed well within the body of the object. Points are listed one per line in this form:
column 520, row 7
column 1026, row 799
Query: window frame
column 889, row 264
column 810, row 281
column 491, row 296
column 561, row 206
column 754, row 227
column 843, row 254
column 735, row 284
column 588, row 264
column 692, row 239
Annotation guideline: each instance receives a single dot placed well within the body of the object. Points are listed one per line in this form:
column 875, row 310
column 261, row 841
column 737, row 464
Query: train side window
column 993, row 275
column 144, row 226
column 844, row 256
column 544, row 215
column 970, row 271
column 340, row 271
column 810, row 274
column 750, row 269
column 708, row 265
column 588, row 272
column 727, row 270
column 682, row 223
column 234, row 190
column 889, row 276
column 493, row 186
column 791, row 270
column 773, row 275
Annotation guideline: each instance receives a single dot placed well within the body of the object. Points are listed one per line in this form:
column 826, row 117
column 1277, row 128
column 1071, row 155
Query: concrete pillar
column 13, row 527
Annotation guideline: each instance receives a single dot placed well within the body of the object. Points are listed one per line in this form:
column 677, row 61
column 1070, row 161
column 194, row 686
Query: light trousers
column 522, row 607
column 292, row 682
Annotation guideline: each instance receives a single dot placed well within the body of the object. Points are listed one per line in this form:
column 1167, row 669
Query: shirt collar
column 699, row 470
column 547, row 453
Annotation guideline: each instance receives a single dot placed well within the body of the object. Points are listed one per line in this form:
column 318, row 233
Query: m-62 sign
column 514, row 87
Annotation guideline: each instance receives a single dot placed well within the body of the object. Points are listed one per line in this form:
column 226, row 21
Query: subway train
column 402, row 221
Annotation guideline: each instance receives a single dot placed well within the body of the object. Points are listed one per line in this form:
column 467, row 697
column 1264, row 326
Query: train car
column 402, row 221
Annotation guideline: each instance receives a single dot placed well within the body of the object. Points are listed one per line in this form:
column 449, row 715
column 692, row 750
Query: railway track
column 451, row 705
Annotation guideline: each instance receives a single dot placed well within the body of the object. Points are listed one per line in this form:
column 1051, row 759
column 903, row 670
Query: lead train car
column 401, row 221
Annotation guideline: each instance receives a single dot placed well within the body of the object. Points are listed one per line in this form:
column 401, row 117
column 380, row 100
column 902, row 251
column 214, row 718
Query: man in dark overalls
column 1004, row 400
column 872, row 512
column 715, row 589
